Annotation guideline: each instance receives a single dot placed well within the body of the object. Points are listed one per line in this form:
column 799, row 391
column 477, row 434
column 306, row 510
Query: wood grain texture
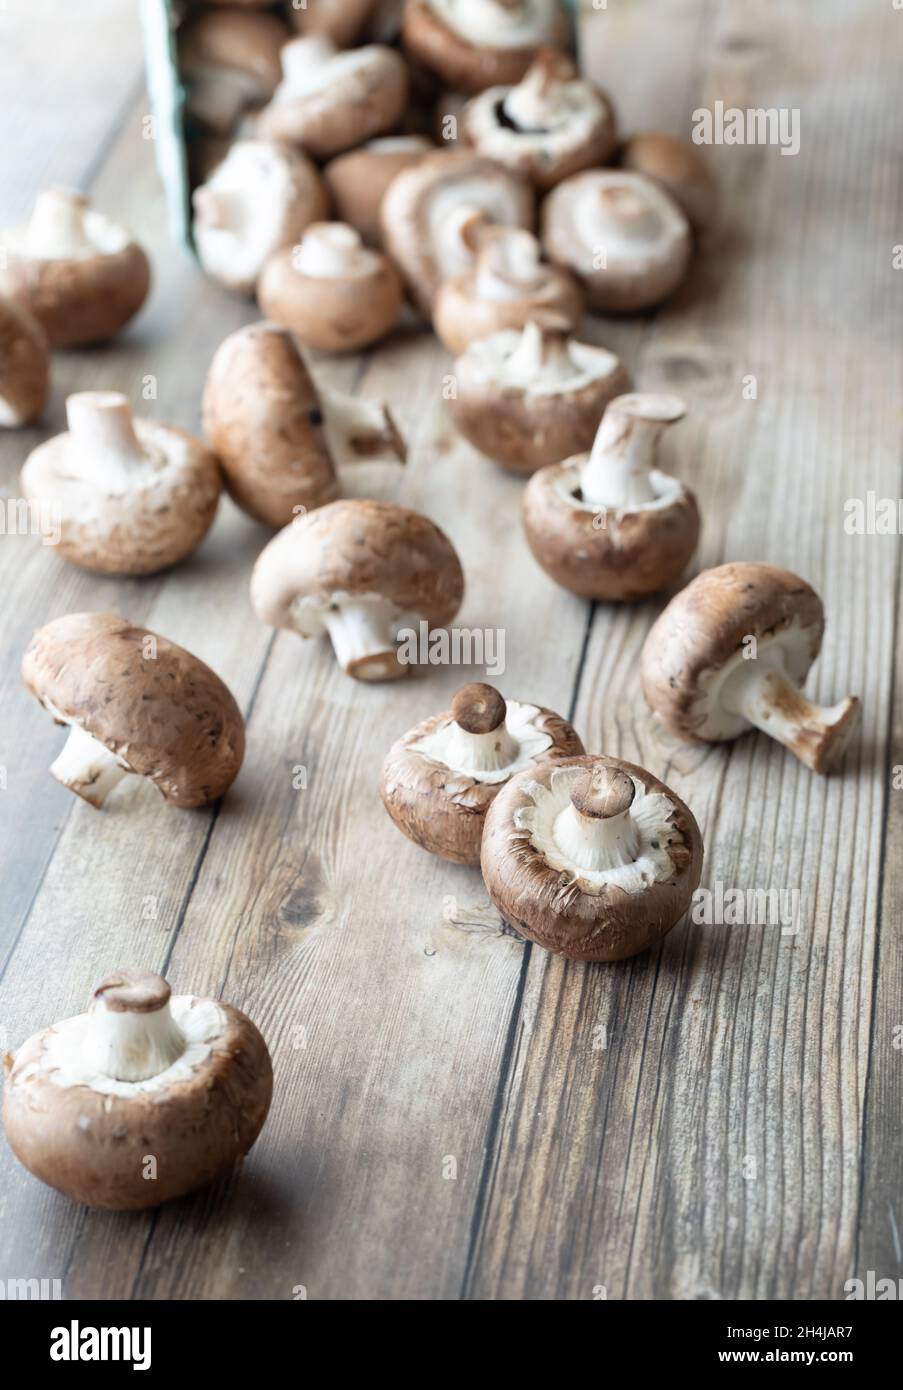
column 457, row 1114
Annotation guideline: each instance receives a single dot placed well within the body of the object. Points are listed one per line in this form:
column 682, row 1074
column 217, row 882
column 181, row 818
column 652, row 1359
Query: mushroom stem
column 617, row 472
column 56, row 228
column 531, row 104
column 596, row 831
column 302, row 59
column 765, row 695
column 358, row 429
column 87, row 767
column 508, row 263
column 328, row 250
column 101, row 429
column 477, row 738
column 131, row 1034
column 363, row 639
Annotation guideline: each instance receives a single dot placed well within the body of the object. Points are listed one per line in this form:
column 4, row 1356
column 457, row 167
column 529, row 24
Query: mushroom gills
column 493, row 755
column 87, row 767
column 762, row 692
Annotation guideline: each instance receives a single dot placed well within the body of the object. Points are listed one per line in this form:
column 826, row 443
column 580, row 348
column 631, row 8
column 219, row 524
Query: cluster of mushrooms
column 362, row 160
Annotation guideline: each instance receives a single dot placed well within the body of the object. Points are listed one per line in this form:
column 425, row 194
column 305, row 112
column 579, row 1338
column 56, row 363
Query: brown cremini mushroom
column 24, row 366
column 553, row 123
column 229, row 61
column 679, row 168
column 533, row 398
column 343, row 21
column 360, row 570
column 731, row 651
column 440, row 778
column 508, row 286
column 333, row 292
column 592, row 858
column 278, row 436
column 358, row 180
column 134, row 702
column 474, row 44
column 143, row 1098
column 625, row 238
column 132, row 496
column 330, row 101
column 259, row 199
column 79, row 274
column 609, row 525
column 431, row 211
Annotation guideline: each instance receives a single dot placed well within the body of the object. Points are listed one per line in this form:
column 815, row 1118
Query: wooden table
column 458, row 1115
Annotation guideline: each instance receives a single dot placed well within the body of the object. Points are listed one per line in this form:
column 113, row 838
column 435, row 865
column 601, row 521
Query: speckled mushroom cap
column 358, row 179
column 262, row 417
column 132, row 496
column 24, row 366
column 474, row 44
column 699, row 648
column 196, row 1108
column 680, row 169
column 439, row 779
column 592, row 858
column 155, row 706
column 533, row 398
column 330, row 101
column 229, row 61
column 79, row 274
column 625, row 238
column 428, row 206
column 553, row 123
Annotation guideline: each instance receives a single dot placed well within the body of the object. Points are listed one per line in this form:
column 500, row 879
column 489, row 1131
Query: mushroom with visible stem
column 440, row 778
column 730, row 653
column 431, row 210
column 229, row 61
column 180, row 1080
column 333, row 292
column 24, row 366
column 132, row 496
column 330, row 101
column 358, row 180
column 533, row 398
column 80, row 275
column 507, row 287
column 279, row 437
column 609, row 525
column 622, row 235
column 483, row 43
column 134, row 703
column 590, row 857
column 553, row 123
column 679, row 168
column 359, row 570
column 260, row 198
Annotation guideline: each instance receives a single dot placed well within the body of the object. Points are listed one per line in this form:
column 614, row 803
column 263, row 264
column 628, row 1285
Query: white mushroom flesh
column 86, row 766
column 453, row 209
column 498, row 23
column 491, row 757
column 333, row 251
column 359, row 430
column 627, row 220
column 313, row 65
column 361, row 627
column 542, row 364
column 509, row 266
column 63, row 227
column 618, row 473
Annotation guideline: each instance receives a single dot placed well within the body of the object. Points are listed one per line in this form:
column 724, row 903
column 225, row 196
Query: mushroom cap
column 223, row 49
column 591, row 916
column 680, row 169
column 703, row 628
column 638, row 228
column 357, row 547
column 79, row 294
column 484, row 43
column 420, row 208
column 165, row 714
column 606, row 554
column 347, row 98
column 442, row 809
column 331, row 291
column 343, row 21
column 259, row 199
column 261, row 416
column 89, row 1136
column 24, row 366
column 508, row 288
column 358, row 180
column 150, row 521
column 527, row 416
column 566, row 124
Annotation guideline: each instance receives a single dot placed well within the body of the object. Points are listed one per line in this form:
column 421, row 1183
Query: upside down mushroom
column 439, row 779
column 134, row 702
column 730, row 653
column 145, row 1097
column 474, row 44
column 24, row 366
column 591, row 857
column 609, row 525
